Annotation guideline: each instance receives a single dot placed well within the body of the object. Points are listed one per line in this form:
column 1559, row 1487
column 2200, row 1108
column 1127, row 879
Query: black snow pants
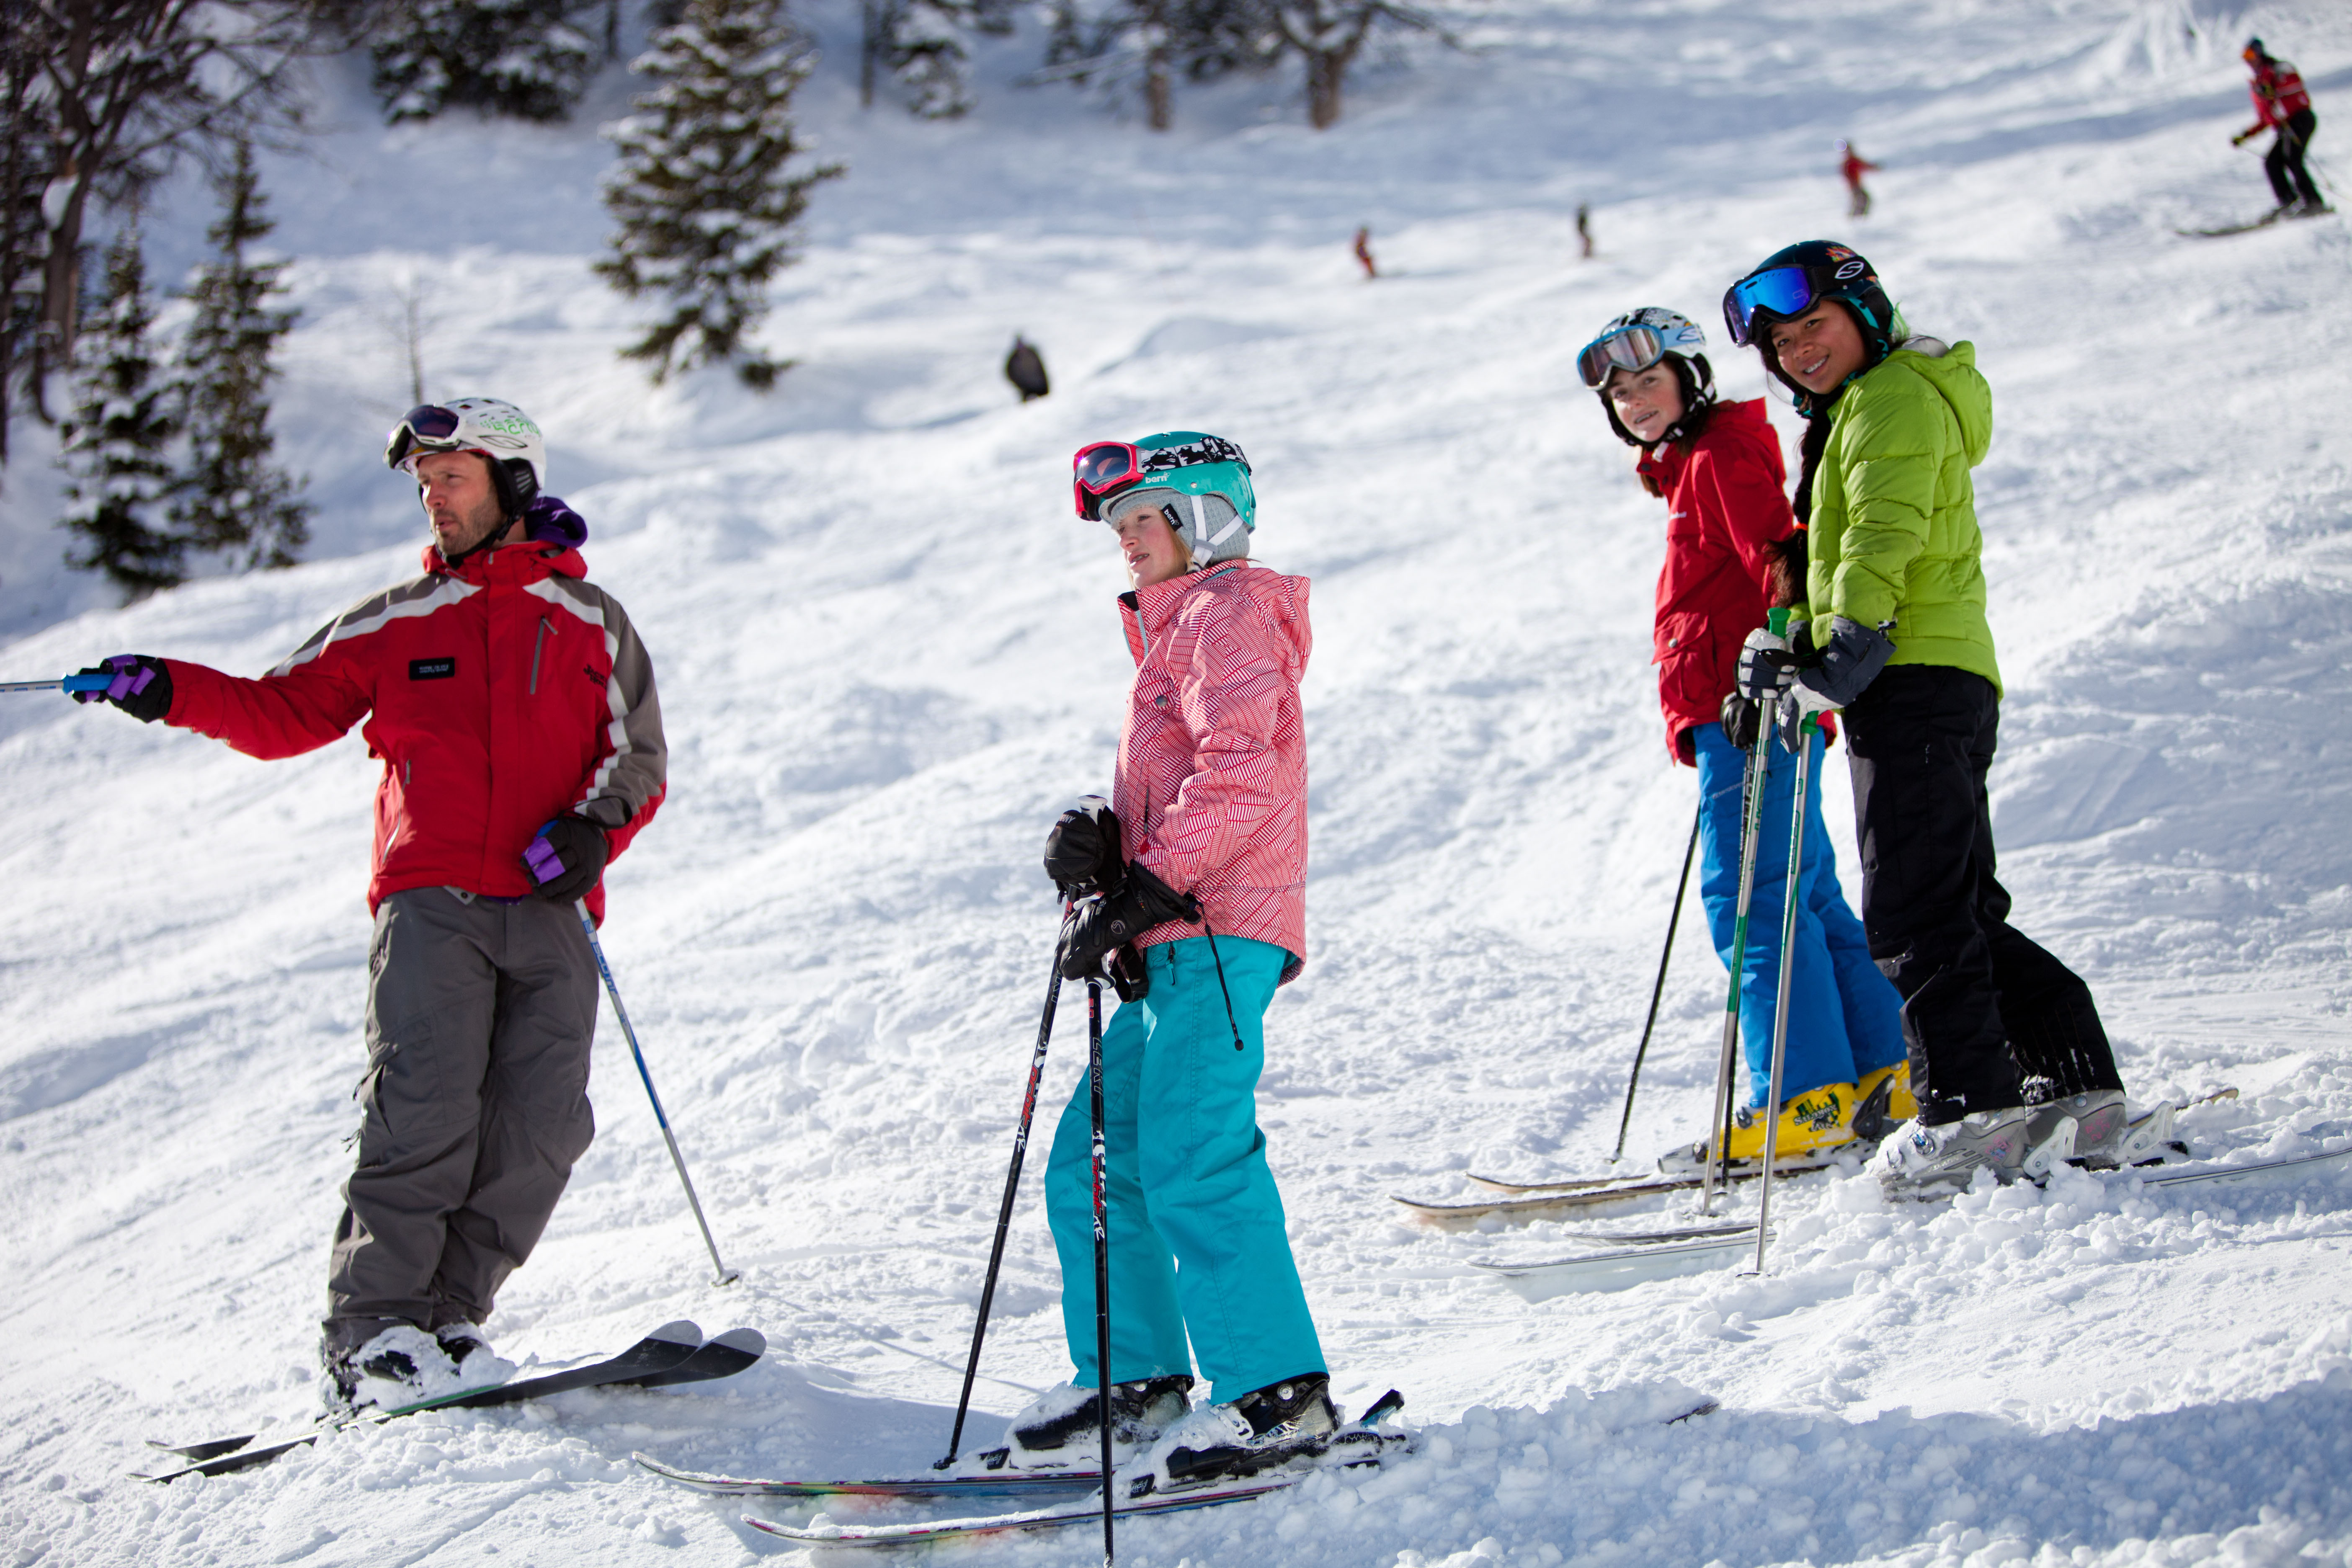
column 480, row 1016
column 1989, row 1020
column 2290, row 176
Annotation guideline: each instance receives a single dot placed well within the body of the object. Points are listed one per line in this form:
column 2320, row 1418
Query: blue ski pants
column 1197, row 1243
column 1845, row 1019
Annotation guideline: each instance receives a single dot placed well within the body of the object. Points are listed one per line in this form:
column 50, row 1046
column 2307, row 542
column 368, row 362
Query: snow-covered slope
column 888, row 655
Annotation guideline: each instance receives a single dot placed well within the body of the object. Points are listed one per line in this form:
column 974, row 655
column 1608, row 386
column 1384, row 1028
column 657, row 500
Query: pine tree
column 705, row 203
column 115, row 444
column 1146, row 44
column 231, row 498
column 921, row 43
column 520, row 57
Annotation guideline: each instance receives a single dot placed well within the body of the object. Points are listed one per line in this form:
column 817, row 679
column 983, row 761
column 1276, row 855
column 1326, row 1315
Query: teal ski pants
column 1197, row 1243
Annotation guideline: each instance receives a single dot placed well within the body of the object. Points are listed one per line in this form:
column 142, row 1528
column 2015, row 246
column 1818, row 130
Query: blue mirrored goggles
column 1784, row 291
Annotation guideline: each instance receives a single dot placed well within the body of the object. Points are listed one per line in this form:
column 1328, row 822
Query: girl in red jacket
column 1733, row 550
column 1202, row 909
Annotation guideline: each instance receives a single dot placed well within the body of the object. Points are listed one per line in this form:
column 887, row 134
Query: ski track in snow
column 888, row 657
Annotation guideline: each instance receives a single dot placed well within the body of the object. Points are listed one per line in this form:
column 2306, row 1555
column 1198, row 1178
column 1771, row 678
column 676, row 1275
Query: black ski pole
column 1102, row 1253
column 1004, row 1209
column 726, row 1276
column 1634, row 1078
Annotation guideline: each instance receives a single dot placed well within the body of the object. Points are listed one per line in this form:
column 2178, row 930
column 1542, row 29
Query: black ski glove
column 1082, row 852
column 566, row 859
column 1740, row 719
column 1103, row 922
column 141, row 686
column 1832, row 676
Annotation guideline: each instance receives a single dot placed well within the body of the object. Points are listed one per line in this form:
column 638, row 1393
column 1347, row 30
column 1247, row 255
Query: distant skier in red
column 1364, row 251
column 1853, row 168
column 2282, row 104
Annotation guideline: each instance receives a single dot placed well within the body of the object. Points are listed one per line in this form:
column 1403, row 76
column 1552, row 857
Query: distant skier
column 1025, row 367
column 2282, row 104
column 1733, row 550
column 514, row 709
column 1854, row 166
column 1894, row 633
column 1203, row 915
column 1584, row 230
column 1364, row 251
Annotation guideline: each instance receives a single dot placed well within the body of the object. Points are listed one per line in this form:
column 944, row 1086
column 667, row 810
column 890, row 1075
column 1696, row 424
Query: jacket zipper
column 535, row 642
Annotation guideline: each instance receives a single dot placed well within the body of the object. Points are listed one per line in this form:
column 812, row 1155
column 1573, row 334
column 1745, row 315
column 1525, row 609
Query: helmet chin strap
column 1203, row 545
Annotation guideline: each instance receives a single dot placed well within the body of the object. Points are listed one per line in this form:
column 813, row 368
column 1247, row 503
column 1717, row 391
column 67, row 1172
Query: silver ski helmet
column 1203, row 482
column 490, row 426
column 1638, row 339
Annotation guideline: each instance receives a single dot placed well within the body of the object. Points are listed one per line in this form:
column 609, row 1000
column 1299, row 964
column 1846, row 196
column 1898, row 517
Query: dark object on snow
column 1025, row 369
column 1584, row 229
column 1364, row 251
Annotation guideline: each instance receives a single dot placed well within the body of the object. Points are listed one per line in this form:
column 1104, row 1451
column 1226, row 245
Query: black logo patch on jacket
column 433, row 669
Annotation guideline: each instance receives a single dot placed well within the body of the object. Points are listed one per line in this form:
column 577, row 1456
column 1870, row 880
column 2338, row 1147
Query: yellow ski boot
column 1811, row 1125
column 1883, row 1102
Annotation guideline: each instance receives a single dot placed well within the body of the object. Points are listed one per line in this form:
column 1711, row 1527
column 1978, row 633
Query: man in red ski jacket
column 2282, row 104
column 513, row 708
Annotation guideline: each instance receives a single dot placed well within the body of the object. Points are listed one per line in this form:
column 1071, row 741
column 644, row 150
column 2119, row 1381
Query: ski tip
column 1381, row 1409
column 681, row 1332
column 1704, row 1407
column 750, row 1342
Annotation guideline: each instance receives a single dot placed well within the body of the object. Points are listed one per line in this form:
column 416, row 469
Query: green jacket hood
column 1952, row 371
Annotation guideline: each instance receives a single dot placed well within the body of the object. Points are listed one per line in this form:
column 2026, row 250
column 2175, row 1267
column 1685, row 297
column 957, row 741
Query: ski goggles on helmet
column 427, row 428
column 1780, row 291
column 1629, row 348
column 1105, row 467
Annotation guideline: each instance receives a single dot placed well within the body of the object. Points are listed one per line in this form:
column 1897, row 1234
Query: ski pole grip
column 1778, row 620
column 86, row 683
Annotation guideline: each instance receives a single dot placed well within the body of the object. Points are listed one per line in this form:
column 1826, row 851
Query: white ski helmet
column 490, row 426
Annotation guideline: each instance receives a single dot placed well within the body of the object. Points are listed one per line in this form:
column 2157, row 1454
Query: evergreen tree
column 920, row 42
column 1146, row 44
column 523, row 58
column 704, row 199
column 231, row 498
column 115, row 443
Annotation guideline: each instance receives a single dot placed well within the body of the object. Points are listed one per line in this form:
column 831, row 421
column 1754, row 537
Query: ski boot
column 401, row 1366
column 1063, row 1428
column 1812, row 1125
column 1264, row 1427
column 1882, row 1102
column 468, row 1349
column 1918, row 1161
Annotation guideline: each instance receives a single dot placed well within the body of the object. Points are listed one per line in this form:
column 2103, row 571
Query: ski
column 1621, row 1268
column 672, row 1355
column 1017, row 1483
column 2264, row 221
column 1363, row 1443
column 2149, row 1137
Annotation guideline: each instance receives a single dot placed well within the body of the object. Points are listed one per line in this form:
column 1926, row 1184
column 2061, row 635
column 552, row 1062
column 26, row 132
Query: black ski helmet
column 1831, row 271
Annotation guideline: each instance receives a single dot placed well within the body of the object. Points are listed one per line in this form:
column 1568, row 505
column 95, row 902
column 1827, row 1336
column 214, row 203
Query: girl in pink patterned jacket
column 1203, row 912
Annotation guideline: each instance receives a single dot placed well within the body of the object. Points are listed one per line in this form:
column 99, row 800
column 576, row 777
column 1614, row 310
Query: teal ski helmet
column 1202, row 481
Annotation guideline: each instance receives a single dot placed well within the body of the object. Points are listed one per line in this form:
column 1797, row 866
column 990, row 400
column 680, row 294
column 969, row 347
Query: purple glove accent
column 547, row 520
column 545, row 864
column 132, row 676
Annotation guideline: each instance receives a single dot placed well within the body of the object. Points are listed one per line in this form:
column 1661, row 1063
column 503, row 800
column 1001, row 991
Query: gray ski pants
column 480, row 1021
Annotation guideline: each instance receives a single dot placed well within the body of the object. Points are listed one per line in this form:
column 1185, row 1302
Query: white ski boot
column 1919, row 1161
column 402, row 1365
column 1263, row 1427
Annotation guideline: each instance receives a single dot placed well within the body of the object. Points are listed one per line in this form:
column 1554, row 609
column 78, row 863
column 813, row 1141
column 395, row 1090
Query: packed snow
column 889, row 655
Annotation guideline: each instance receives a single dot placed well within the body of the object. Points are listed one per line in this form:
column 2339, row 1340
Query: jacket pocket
column 1689, row 656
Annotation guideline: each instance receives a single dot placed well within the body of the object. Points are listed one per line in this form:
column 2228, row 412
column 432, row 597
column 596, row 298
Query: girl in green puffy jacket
column 2009, row 1062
